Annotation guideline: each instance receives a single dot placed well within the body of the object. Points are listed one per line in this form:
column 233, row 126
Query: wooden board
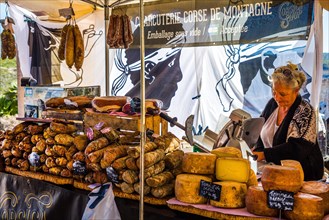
column 63, row 114
column 118, row 193
column 132, row 123
column 40, row 176
column 211, row 214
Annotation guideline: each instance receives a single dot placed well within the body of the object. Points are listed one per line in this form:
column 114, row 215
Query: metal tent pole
column 106, row 25
column 142, row 96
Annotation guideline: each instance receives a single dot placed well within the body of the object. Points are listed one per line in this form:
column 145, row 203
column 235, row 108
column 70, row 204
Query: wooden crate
column 131, row 123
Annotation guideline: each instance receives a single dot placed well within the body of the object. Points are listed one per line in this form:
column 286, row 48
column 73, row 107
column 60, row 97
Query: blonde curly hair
column 289, row 76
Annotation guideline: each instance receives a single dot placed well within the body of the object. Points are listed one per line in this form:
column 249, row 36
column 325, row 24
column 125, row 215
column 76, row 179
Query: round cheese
column 306, row 206
column 275, row 177
column 232, row 195
column 296, row 164
column 320, row 189
column 187, row 187
column 227, row 152
column 256, row 202
column 199, row 163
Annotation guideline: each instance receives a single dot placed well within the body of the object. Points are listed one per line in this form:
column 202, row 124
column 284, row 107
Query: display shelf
column 40, row 176
column 126, row 122
column 37, row 120
column 213, row 212
column 118, row 193
column 84, row 186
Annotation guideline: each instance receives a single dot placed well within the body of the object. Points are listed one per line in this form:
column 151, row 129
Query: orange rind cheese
column 306, row 206
column 276, row 177
column 187, row 188
column 227, row 152
column 232, row 195
column 199, row 163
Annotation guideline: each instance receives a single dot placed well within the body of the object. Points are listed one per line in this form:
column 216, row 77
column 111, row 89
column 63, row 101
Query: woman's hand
column 260, row 155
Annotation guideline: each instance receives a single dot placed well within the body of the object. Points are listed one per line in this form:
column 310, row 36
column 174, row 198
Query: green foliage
column 8, row 102
column 8, row 63
column 8, row 74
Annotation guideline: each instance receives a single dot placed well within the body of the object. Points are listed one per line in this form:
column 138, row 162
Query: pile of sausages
column 119, row 32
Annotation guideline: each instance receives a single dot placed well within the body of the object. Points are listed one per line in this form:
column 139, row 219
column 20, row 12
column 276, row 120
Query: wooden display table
column 214, row 212
column 58, row 180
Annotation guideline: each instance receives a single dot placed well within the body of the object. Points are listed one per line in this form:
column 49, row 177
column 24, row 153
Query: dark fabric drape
column 40, row 58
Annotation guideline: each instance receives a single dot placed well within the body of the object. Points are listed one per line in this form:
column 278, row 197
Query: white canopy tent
column 89, row 12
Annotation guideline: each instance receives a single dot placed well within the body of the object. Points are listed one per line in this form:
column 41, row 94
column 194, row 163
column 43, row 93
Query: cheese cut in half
column 256, row 202
column 227, row 152
column 232, row 169
column 199, row 163
column 320, row 189
column 187, row 187
column 294, row 163
column 276, row 177
column 232, row 195
column 306, row 206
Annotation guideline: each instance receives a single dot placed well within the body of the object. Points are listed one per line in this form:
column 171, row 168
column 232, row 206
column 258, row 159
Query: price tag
column 277, row 199
column 210, row 190
column 66, row 12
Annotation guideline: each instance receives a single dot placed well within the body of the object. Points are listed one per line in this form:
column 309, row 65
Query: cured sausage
column 127, row 32
column 111, row 33
column 69, row 46
column 61, row 48
column 79, row 49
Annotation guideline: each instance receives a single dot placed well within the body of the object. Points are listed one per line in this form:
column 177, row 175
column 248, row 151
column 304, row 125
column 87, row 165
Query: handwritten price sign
column 277, row 199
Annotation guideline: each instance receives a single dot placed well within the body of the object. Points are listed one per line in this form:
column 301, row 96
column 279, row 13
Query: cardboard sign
column 66, row 12
column 277, row 199
column 210, row 190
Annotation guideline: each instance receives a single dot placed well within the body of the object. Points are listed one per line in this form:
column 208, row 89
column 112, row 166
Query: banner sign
column 213, row 22
column 25, row 198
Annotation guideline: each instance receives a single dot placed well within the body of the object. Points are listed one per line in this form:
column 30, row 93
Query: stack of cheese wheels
column 233, row 152
column 274, row 177
column 320, row 189
column 233, row 174
column 287, row 177
column 196, row 167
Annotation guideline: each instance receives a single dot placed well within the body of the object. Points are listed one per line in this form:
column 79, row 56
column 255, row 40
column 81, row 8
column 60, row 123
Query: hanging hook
column 6, row 9
column 71, row 3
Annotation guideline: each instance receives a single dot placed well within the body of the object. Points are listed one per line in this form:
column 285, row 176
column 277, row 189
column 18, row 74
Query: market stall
column 109, row 138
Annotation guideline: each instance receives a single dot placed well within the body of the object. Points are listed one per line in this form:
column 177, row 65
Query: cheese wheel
column 199, row 163
column 256, row 202
column 232, row 169
column 276, row 177
column 320, row 189
column 252, row 181
column 306, row 206
column 187, row 187
column 232, row 195
column 294, row 163
column 227, row 152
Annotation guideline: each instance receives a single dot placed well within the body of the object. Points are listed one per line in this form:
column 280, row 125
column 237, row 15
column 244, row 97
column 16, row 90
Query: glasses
column 286, row 72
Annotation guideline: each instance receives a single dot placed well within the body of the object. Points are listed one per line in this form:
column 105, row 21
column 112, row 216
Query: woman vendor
column 289, row 131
